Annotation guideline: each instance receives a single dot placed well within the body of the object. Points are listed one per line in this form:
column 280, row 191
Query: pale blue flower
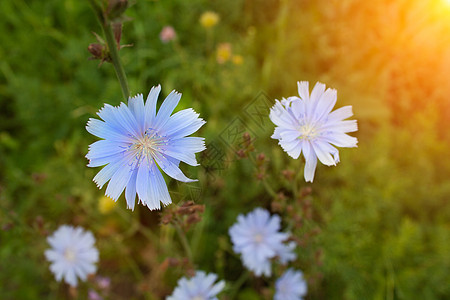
column 137, row 142
column 290, row 286
column 257, row 238
column 199, row 287
column 307, row 125
column 72, row 255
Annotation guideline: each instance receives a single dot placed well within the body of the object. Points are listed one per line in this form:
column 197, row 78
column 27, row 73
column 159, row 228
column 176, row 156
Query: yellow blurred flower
column 223, row 52
column 237, row 60
column 106, row 204
column 209, row 19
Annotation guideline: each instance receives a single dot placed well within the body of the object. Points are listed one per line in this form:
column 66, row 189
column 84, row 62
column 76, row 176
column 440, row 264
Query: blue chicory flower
column 307, row 125
column 290, row 286
column 137, row 142
column 201, row 286
column 257, row 238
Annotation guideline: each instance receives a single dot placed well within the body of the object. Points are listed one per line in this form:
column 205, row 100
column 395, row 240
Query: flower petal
column 324, row 156
column 150, row 106
column 166, row 109
column 303, row 90
column 136, row 105
column 120, row 178
column 340, row 114
column 311, row 162
column 130, row 191
column 169, row 167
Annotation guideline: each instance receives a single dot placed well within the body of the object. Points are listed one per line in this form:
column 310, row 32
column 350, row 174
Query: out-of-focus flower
column 137, row 140
column 167, row 34
column 72, row 255
column 257, row 238
column 201, row 286
column 290, row 286
column 223, row 52
column 106, row 204
column 93, row 295
column 307, row 125
column 237, row 60
column 209, row 19
column 285, row 252
column 103, row 282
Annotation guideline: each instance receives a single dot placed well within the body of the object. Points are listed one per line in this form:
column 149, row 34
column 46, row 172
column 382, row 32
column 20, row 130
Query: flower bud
column 241, row 153
column 116, row 8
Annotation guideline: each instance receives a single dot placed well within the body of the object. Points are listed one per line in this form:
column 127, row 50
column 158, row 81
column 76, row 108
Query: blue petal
column 341, row 113
column 106, row 131
column 120, row 178
column 108, row 114
column 280, row 117
column 108, row 171
column 150, row 106
column 105, row 148
column 341, row 126
column 189, row 144
column 136, row 105
column 151, row 187
column 143, row 182
column 183, row 123
column 166, row 109
column 130, row 192
column 184, row 149
column 326, row 104
column 322, row 154
column 311, row 161
column 342, row 140
column 170, row 168
column 127, row 120
column 303, row 90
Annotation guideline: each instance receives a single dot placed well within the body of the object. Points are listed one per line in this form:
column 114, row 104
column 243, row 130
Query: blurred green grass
column 383, row 212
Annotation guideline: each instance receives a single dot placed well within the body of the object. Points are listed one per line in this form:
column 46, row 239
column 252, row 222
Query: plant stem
column 268, row 188
column 113, row 47
column 295, row 186
column 184, row 241
column 238, row 283
column 114, row 52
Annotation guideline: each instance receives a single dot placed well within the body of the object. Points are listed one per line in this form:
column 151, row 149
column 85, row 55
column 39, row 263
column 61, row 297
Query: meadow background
column 376, row 226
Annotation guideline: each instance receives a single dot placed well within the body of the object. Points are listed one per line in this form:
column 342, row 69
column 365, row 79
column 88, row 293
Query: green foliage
column 376, row 226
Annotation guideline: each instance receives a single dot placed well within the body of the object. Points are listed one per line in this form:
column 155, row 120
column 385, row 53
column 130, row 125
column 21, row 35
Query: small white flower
column 307, row 125
column 199, row 287
column 290, row 286
column 257, row 238
column 72, row 254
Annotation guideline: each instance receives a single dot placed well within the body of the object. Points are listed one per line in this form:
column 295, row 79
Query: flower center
column 198, row 298
column 307, row 132
column 148, row 145
column 69, row 254
column 258, row 238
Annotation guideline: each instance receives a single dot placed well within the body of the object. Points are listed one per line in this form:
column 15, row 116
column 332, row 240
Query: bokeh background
column 376, row 226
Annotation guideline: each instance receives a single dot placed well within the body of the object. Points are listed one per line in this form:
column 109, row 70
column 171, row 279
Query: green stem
column 113, row 47
column 268, row 188
column 295, row 186
column 114, row 52
column 184, row 241
column 238, row 283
